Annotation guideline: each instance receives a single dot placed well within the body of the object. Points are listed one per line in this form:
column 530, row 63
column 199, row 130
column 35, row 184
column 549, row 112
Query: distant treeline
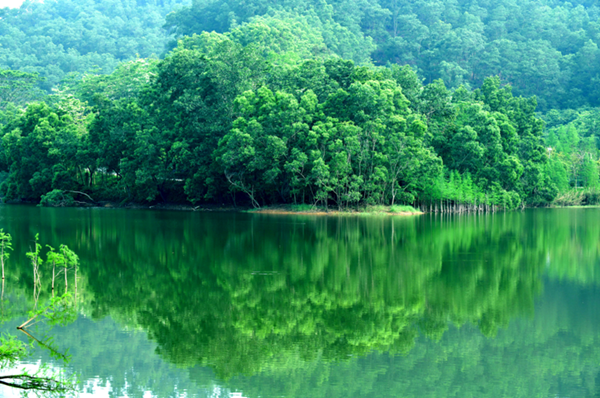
column 65, row 38
column 546, row 48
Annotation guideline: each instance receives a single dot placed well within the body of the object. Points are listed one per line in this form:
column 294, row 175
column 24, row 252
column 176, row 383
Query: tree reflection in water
column 415, row 304
column 51, row 311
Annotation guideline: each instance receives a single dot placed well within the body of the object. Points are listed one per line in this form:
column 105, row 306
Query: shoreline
column 274, row 210
column 307, row 210
column 332, row 213
column 317, row 211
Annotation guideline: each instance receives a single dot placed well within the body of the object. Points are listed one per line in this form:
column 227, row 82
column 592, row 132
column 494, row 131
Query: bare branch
column 82, row 193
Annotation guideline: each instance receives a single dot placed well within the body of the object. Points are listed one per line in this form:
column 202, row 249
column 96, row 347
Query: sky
column 10, row 3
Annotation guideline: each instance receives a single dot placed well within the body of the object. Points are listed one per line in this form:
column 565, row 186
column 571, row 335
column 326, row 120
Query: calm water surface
column 220, row 305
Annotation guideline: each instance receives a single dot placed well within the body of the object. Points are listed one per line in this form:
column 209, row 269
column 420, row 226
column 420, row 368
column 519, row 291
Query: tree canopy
column 218, row 119
column 543, row 48
column 58, row 38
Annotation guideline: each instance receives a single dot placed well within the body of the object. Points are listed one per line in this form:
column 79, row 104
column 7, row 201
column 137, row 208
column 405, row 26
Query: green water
column 212, row 304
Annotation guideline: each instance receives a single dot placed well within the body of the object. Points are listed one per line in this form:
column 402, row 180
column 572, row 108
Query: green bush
column 402, row 209
column 57, row 198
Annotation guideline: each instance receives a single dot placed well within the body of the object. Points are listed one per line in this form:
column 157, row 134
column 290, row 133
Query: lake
column 255, row 305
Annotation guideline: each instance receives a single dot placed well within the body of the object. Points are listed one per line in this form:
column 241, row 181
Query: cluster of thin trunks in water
column 450, row 207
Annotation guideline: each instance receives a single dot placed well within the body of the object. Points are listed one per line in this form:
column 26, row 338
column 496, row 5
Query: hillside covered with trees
column 58, row 38
column 545, row 48
column 334, row 103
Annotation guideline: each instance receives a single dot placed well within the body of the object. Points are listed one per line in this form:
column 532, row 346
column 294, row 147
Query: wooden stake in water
column 5, row 245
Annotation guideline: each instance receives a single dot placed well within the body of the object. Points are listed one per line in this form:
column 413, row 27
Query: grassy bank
column 396, row 210
column 275, row 209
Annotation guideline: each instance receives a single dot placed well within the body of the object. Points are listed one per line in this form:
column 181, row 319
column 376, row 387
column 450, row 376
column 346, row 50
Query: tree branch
column 81, row 193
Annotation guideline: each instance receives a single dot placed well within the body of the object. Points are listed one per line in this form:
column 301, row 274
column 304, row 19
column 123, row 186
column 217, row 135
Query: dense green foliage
column 55, row 38
column 281, row 103
column 217, row 120
column 335, row 103
column 546, row 48
column 573, row 139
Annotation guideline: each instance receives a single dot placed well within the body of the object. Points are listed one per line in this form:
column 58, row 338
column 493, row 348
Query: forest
column 443, row 104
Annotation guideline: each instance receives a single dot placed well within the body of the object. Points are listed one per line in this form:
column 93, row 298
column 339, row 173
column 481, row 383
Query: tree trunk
column 53, row 274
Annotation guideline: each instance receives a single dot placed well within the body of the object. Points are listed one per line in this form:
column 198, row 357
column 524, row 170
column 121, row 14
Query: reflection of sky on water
column 12, row 392
column 97, row 349
column 101, row 388
column 11, row 3
column 99, row 381
column 32, row 367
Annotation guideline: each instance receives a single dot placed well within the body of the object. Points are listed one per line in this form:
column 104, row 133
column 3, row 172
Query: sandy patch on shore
column 330, row 213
